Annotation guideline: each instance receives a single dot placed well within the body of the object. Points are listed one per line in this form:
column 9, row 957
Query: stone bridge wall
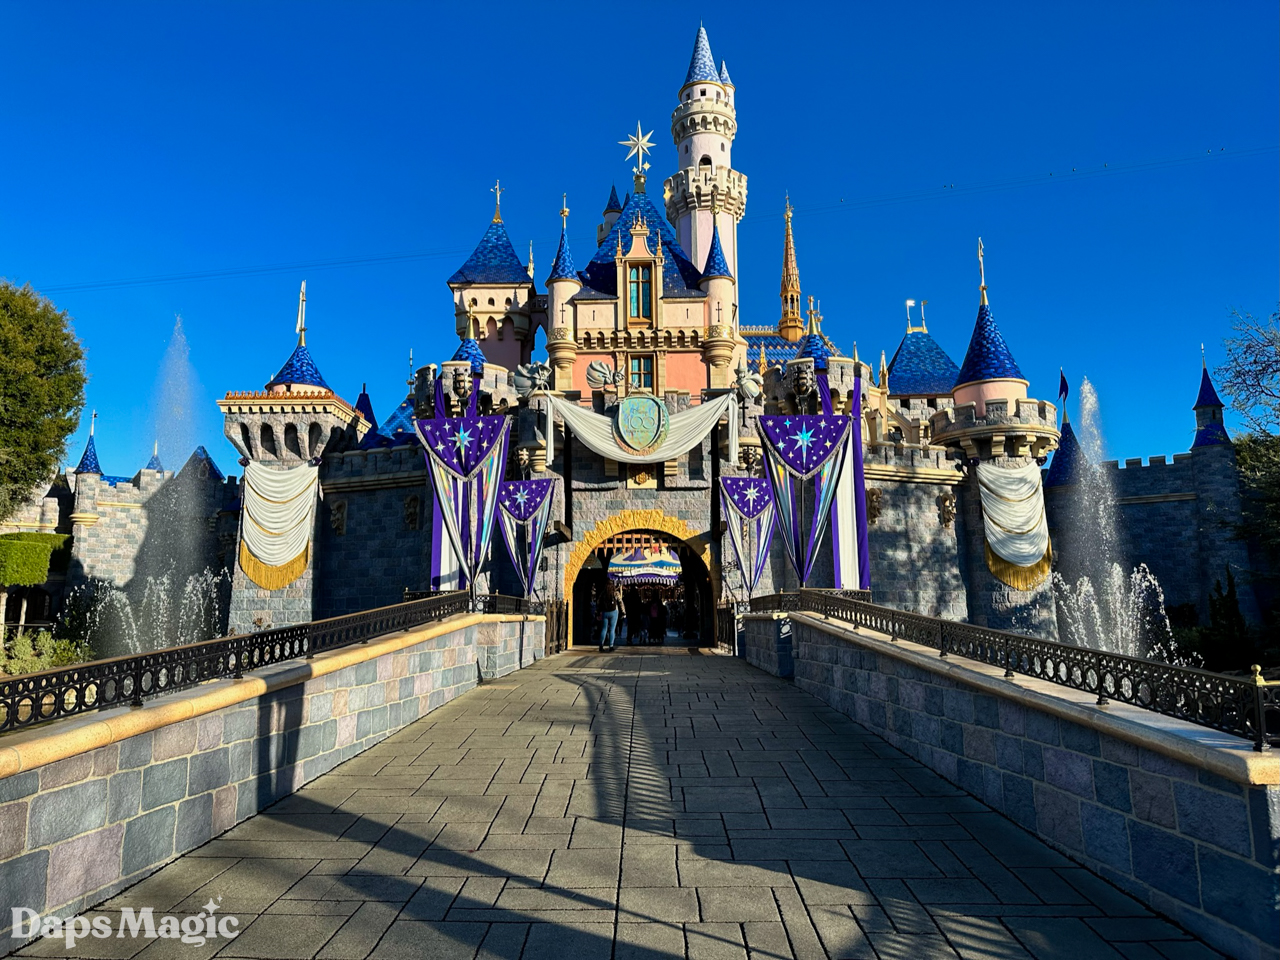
column 92, row 804
column 1184, row 819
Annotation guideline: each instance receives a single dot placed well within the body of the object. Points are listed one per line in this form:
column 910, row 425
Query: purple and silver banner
column 524, row 511
column 750, row 515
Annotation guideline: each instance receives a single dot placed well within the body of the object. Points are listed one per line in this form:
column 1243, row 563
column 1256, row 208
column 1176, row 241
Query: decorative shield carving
column 640, row 423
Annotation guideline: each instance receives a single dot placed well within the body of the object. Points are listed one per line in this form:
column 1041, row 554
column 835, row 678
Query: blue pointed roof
column 613, row 206
column 154, row 463
column 201, row 455
column 680, row 277
column 778, row 351
column 988, row 356
column 702, row 66
column 562, row 266
column 1068, row 460
column 724, row 74
column 299, row 369
column 493, row 260
column 364, row 407
column 921, row 368
column 1210, row 435
column 1208, row 396
column 469, row 350
column 397, row 429
column 716, row 266
column 816, row 347
column 89, row 459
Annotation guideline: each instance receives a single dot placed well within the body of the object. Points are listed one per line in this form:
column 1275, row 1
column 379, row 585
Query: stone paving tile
column 636, row 806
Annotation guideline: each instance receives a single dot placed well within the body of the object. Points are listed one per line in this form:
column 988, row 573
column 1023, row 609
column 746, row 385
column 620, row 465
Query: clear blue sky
column 149, row 139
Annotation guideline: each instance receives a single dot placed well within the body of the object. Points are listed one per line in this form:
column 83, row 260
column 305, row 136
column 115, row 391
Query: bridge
column 849, row 781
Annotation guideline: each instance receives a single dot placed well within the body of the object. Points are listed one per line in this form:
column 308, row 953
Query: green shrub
column 24, row 563
column 31, row 653
column 59, row 546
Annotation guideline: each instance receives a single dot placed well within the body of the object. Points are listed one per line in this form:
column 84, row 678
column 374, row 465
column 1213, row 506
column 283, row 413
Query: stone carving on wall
column 750, row 385
column 805, row 380
column 411, row 512
column 559, row 333
column 601, row 375
column 338, row 517
column 947, row 507
column 461, row 383
column 875, row 496
column 532, row 376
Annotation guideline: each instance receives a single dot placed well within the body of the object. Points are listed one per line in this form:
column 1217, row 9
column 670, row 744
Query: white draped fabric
column 278, row 510
column 687, row 429
column 1013, row 513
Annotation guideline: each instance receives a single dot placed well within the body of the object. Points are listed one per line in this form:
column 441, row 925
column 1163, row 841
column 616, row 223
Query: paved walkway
column 640, row 805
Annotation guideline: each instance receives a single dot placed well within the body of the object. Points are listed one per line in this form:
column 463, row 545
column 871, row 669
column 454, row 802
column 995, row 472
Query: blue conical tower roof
column 614, row 205
column 469, row 350
column 988, row 356
column 493, row 260
column 364, row 407
column 562, row 266
column 154, row 463
column 89, row 459
column 201, row 456
column 1208, row 396
column 724, row 74
column 921, row 368
column 299, row 369
column 717, row 265
column 702, row 66
column 1068, row 460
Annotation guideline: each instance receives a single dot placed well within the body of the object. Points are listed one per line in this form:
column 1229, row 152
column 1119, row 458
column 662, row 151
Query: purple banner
column 462, row 444
column 749, row 496
column 524, row 509
column 521, row 499
column 804, row 443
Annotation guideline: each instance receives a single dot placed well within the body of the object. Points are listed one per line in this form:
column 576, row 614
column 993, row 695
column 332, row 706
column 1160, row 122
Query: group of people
column 646, row 615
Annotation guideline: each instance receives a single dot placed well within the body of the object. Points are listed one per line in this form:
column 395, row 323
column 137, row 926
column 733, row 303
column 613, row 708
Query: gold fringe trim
column 1020, row 578
column 273, row 578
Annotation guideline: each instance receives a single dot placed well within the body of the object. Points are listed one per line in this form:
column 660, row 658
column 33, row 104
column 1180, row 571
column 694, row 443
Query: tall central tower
column 703, row 127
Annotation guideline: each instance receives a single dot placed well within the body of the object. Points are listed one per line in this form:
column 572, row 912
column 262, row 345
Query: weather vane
column 640, row 144
column 497, row 191
column 564, row 211
column 410, row 381
column 982, row 273
column 301, row 328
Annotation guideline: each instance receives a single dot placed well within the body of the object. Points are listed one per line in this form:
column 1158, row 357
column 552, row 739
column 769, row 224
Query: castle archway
column 589, row 556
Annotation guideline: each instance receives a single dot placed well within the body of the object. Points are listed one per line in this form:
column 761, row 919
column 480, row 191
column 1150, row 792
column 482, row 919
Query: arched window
column 641, row 293
column 705, row 161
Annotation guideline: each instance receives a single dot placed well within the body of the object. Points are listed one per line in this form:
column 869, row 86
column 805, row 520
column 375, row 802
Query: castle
column 644, row 335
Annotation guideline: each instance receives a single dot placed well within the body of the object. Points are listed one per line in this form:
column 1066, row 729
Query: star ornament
column 803, row 438
column 462, row 440
column 522, row 496
column 751, row 495
column 639, row 145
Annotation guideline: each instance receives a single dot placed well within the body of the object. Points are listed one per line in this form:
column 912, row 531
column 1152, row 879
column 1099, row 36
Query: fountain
column 1103, row 602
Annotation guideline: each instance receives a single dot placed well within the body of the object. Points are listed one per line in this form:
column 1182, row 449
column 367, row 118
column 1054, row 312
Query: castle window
column 641, row 293
column 642, row 372
column 722, row 148
column 702, row 93
column 491, row 301
column 705, row 161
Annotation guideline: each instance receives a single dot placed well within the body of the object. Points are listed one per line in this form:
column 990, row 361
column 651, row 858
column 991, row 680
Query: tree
column 1251, row 374
column 41, row 391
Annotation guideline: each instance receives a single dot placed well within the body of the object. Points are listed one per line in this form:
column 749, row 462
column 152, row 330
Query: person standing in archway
column 608, row 606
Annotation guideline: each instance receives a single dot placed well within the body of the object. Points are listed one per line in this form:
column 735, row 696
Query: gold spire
column 762, row 365
column 982, row 274
column 884, row 372
column 912, row 328
column 790, row 325
column 564, row 212
column 497, row 190
column 814, row 318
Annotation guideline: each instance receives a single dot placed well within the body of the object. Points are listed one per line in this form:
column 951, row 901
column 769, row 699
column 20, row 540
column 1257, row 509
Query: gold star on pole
column 640, row 144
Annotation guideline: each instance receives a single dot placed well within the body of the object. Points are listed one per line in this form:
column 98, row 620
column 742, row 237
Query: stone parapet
column 92, row 804
column 766, row 643
column 1185, row 819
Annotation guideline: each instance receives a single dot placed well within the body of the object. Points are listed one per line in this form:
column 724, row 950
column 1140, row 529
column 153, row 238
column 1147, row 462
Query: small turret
column 89, row 459
column 562, row 284
column 299, row 373
column 989, row 371
column 611, row 210
column 790, row 326
column 154, row 463
column 1210, row 430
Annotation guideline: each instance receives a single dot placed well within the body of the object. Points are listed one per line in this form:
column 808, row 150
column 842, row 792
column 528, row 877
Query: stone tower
column 790, row 325
column 296, row 417
column 703, row 127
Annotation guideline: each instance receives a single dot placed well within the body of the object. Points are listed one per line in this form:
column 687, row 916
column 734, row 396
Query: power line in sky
column 1063, row 175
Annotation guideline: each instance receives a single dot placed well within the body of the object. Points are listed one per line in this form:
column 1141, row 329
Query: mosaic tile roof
column 920, row 367
column 777, row 351
column 680, row 277
column 1067, row 460
column 469, row 349
column 397, row 429
column 816, row 347
column 613, row 206
column 201, row 455
column 562, row 267
column 702, row 65
column 724, row 74
column 299, row 369
column 717, row 265
column 89, row 459
column 493, row 260
column 1210, row 435
column 988, row 356
column 1208, row 396
column 154, row 463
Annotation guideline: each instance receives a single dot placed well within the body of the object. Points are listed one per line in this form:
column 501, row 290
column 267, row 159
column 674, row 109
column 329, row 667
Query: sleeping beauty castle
column 660, row 442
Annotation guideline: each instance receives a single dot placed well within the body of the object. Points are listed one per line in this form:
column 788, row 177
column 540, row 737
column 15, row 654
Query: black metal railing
column 728, row 623
column 787, row 601
column 119, row 681
column 1246, row 707
column 488, row 602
